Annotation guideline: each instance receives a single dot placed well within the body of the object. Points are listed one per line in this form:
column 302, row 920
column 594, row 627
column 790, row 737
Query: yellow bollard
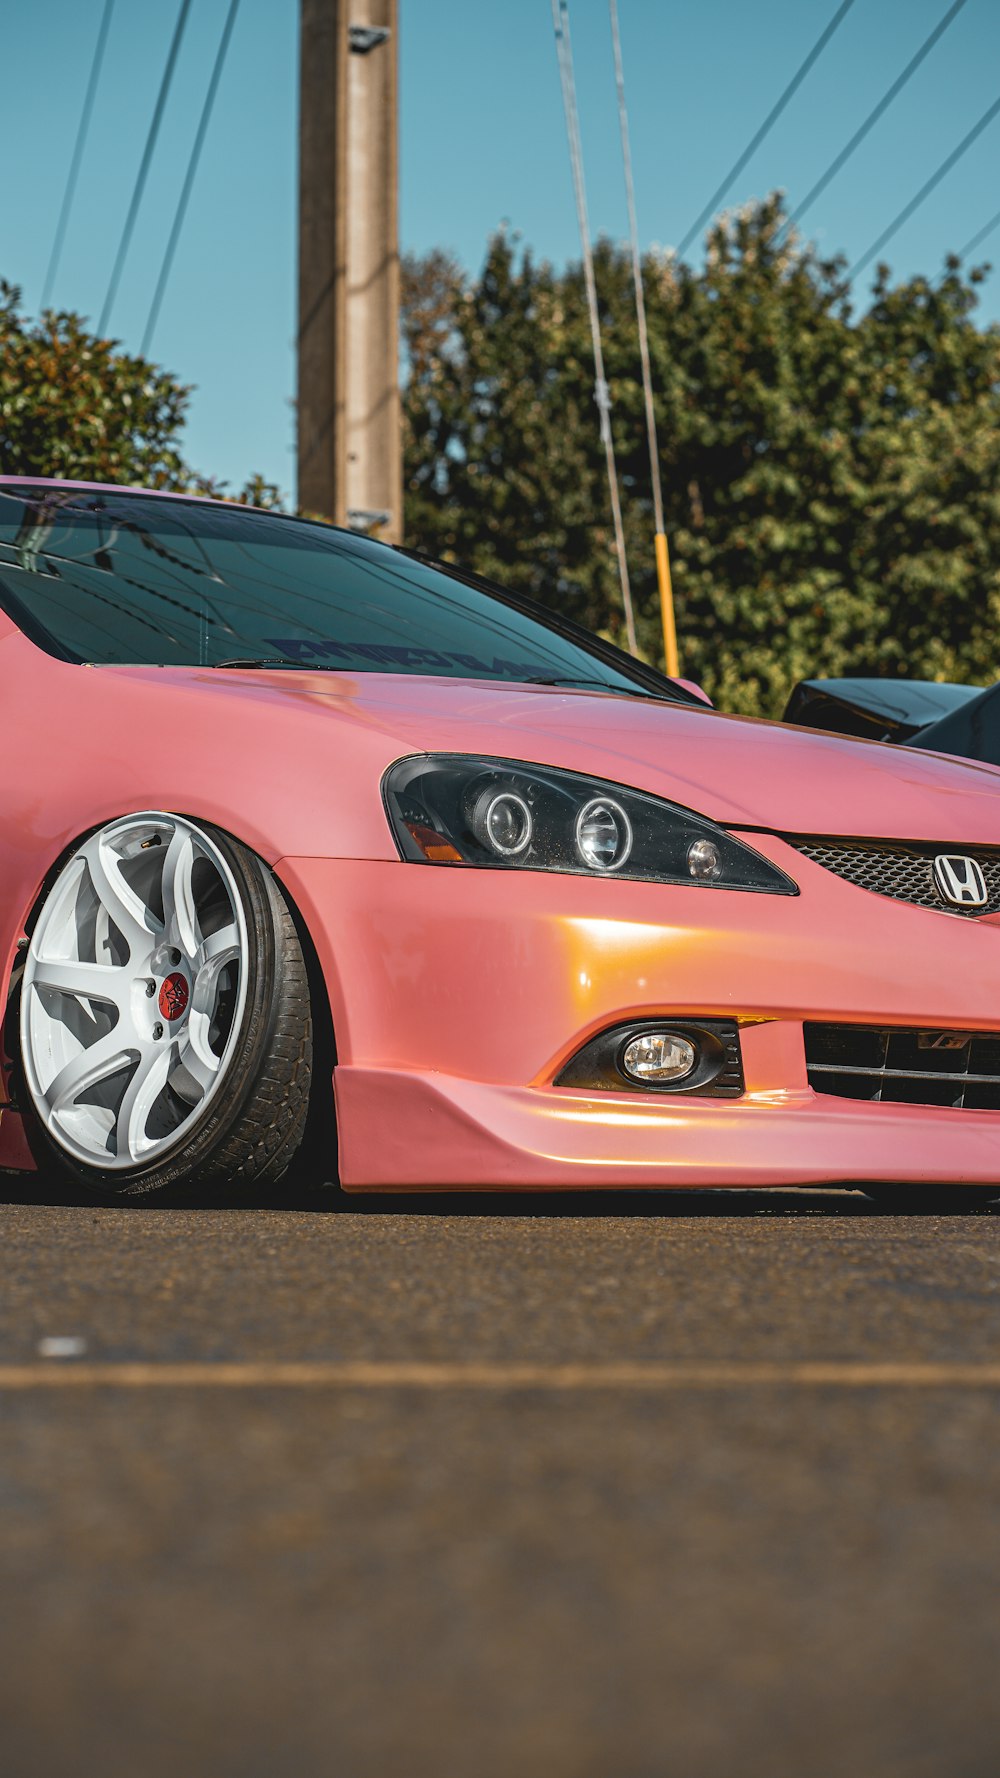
column 667, row 606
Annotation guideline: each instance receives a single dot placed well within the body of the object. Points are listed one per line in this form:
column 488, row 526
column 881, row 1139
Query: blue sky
column 482, row 142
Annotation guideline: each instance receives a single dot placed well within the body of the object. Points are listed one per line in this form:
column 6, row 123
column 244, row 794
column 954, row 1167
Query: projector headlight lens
column 603, row 834
column 502, row 821
column 503, row 814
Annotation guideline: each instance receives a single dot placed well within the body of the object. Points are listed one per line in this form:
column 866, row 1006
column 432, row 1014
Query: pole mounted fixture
column 362, row 38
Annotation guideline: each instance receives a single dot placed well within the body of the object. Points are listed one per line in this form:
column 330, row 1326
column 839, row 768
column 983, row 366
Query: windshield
column 117, row 578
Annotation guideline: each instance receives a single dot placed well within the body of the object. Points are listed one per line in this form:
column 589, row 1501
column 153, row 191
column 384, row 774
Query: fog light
column 659, row 1056
column 704, row 860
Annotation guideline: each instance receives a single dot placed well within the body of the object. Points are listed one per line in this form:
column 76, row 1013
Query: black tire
column 933, row 1200
column 252, row 1128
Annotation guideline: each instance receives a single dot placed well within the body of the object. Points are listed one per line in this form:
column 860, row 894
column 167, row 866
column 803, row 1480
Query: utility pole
column 349, row 427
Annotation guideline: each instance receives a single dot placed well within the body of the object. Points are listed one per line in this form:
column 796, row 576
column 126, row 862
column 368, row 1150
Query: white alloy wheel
column 134, row 990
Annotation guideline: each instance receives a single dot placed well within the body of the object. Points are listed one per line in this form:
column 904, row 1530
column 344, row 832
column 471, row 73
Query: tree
column 75, row 406
column 831, row 481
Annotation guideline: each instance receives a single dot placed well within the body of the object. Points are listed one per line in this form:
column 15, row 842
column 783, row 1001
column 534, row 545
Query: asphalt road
column 683, row 1488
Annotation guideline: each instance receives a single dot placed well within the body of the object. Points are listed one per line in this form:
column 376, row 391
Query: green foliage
column 831, row 480
column 75, row 407
column 832, row 483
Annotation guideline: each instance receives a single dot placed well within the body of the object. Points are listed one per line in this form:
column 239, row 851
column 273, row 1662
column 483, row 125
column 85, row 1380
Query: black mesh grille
column 904, row 872
column 959, row 1068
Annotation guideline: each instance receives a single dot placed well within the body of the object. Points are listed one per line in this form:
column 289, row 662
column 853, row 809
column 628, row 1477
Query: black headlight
column 500, row 814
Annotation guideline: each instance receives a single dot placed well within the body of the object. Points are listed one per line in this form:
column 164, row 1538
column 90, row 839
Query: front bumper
column 457, row 996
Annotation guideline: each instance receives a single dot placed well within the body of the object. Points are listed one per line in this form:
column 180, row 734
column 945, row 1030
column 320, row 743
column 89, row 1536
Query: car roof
column 47, row 481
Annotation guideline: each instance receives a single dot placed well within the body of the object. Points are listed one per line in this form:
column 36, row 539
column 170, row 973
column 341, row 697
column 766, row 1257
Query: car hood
column 739, row 772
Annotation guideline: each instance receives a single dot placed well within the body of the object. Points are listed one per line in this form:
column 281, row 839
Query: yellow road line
column 403, row 1374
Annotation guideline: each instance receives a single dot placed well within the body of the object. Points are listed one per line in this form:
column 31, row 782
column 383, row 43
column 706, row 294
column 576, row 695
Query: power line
column 925, row 191
column 873, row 116
column 564, row 53
column 189, row 177
column 147, row 155
column 970, row 246
column 662, row 554
column 640, row 300
column 769, row 121
column 77, row 156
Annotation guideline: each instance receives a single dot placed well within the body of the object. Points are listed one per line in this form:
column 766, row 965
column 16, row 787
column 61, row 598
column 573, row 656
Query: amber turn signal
column 434, row 846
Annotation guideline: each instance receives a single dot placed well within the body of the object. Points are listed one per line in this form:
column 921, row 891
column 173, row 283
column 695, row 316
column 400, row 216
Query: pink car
column 310, row 847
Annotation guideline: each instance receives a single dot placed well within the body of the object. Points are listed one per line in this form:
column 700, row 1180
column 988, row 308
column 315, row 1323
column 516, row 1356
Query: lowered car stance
column 314, row 852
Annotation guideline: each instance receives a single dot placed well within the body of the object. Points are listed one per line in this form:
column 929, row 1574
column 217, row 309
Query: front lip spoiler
column 400, row 1130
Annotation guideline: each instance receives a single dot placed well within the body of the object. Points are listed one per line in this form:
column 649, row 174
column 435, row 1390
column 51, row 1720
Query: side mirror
column 696, row 691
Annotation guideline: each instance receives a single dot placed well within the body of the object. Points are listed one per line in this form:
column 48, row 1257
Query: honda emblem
column 959, row 881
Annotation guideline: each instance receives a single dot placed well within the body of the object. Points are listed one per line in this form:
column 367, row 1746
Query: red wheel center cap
column 173, row 996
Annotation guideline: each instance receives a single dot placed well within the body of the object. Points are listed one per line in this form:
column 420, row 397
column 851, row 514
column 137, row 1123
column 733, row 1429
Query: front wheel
column 165, row 1025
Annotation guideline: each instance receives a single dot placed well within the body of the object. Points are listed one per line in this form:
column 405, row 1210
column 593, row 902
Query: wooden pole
column 349, row 424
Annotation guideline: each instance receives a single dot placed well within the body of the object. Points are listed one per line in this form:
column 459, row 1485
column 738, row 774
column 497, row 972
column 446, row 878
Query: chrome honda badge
column 960, row 881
